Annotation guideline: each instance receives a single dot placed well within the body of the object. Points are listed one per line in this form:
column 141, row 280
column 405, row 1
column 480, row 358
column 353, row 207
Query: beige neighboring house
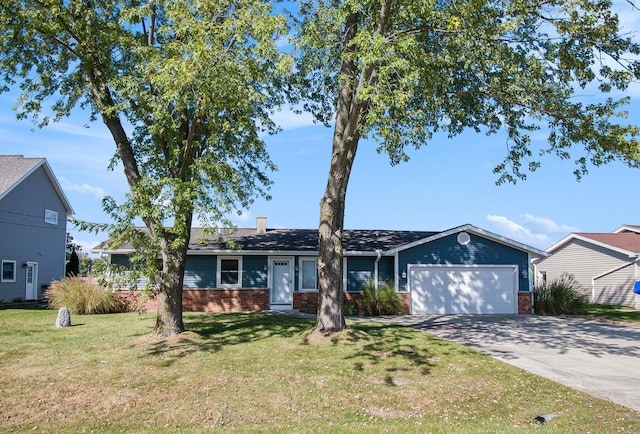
column 607, row 265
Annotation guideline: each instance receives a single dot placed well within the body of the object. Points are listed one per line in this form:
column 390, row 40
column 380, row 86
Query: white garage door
column 463, row 289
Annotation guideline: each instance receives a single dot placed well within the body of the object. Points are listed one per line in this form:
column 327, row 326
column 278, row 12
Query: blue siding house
column 461, row 270
column 33, row 227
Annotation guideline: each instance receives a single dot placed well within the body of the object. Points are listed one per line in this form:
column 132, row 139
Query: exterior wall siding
column 447, row 251
column 583, row 261
column 359, row 271
column 617, row 288
column 254, row 273
column 26, row 237
column 200, row 272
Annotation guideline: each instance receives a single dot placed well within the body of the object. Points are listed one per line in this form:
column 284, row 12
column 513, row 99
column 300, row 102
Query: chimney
column 261, row 224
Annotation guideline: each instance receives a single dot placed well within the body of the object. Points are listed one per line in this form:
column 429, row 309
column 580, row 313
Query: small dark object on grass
column 543, row 418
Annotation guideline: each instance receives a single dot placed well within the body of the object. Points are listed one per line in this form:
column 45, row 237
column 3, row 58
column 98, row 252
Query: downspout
column 375, row 268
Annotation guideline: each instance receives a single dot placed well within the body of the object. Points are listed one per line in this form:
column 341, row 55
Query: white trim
column 627, row 228
column 345, row 271
column 15, row 271
column 219, row 283
column 474, row 230
column 300, row 276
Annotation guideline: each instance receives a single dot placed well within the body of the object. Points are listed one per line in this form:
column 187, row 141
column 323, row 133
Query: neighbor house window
column 308, row 274
column 50, row 217
column 8, row 271
column 229, row 272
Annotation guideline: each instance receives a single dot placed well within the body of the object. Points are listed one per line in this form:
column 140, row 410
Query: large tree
column 398, row 71
column 184, row 87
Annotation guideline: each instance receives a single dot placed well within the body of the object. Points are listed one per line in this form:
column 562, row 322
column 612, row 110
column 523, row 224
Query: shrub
column 82, row 296
column 561, row 296
column 381, row 301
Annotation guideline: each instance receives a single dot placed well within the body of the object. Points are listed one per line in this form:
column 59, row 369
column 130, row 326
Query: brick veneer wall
column 217, row 300
column 251, row 300
column 525, row 303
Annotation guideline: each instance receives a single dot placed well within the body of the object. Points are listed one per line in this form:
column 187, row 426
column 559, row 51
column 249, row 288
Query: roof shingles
column 627, row 240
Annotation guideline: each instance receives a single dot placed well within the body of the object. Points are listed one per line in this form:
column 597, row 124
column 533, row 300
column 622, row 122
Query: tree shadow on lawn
column 390, row 345
column 393, row 346
column 209, row 332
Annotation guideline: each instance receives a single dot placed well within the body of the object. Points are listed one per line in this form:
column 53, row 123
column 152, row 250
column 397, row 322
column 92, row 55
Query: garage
column 463, row 289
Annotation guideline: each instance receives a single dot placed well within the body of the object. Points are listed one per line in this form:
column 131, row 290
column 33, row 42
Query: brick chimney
column 261, row 224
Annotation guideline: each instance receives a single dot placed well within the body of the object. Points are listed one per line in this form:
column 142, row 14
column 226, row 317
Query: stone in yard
column 64, row 318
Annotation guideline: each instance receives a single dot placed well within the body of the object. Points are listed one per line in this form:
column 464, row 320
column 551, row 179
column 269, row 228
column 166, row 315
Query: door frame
column 34, row 277
column 287, row 305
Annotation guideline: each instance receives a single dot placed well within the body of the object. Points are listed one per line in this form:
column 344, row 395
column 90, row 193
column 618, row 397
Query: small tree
column 73, row 264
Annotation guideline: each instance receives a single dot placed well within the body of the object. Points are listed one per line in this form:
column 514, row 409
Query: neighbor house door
column 281, row 283
column 31, row 292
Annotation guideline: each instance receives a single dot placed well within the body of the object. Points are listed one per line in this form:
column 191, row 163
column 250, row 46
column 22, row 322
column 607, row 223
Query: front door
column 281, row 284
column 32, row 281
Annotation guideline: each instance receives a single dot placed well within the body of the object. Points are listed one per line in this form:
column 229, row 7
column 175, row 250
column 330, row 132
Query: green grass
column 605, row 312
column 257, row 373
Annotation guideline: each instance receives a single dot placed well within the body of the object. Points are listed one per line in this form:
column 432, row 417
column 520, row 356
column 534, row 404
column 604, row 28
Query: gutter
column 375, row 268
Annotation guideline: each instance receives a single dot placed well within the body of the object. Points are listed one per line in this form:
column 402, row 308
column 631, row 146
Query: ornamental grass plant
column 563, row 296
column 82, row 296
column 383, row 300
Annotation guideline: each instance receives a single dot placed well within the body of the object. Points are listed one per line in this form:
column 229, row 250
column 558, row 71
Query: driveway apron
column 601, row 359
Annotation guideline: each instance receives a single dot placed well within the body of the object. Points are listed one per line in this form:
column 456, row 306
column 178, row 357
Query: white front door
column 281, row 284
column 32, row 281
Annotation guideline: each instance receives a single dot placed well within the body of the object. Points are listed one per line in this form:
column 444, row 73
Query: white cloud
column 86, row 246
column 288, row 120
column 67, row 185
column 518, row 232
column 547, row 225
column 540, row 232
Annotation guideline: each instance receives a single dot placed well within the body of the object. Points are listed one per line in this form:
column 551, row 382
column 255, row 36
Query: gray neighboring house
column 33, row 227
column 607, row 265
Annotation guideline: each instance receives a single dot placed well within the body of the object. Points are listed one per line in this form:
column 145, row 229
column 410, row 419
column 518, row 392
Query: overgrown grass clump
column 563, row 296
column 383, row 300
column 82, row 296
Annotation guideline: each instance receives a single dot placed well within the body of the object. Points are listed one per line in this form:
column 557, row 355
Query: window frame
column 51, row 217
column 219, row 271
column 301, row 274
column 15, row 271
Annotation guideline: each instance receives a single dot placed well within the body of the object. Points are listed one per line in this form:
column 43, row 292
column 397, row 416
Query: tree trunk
column 332, row 206
column 169, row 320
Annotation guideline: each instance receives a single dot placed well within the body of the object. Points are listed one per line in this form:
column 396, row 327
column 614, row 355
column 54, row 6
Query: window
column 229, row 272
column 8, row 271
column 50, row 217
column 308, row 274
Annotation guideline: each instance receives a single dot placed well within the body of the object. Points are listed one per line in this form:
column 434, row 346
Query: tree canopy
column 399, row 71
column 184, row 87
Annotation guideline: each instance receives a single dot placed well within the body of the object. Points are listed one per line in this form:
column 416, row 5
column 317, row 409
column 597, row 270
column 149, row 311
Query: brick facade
column 525, row 303
column 252, row 300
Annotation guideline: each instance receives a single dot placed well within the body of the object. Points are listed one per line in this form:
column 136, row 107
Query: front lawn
column 258, row 373
column 605, row 312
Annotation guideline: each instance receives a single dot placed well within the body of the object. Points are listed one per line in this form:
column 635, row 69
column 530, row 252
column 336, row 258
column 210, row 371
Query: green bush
column 381, row 301
column 82, row 296
column 560, row 297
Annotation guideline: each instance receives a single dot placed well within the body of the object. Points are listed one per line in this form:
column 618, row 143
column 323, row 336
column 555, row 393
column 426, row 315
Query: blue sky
column 447, row 183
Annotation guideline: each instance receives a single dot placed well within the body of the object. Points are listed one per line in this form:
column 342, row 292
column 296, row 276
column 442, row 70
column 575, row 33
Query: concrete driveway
column 601, row 359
